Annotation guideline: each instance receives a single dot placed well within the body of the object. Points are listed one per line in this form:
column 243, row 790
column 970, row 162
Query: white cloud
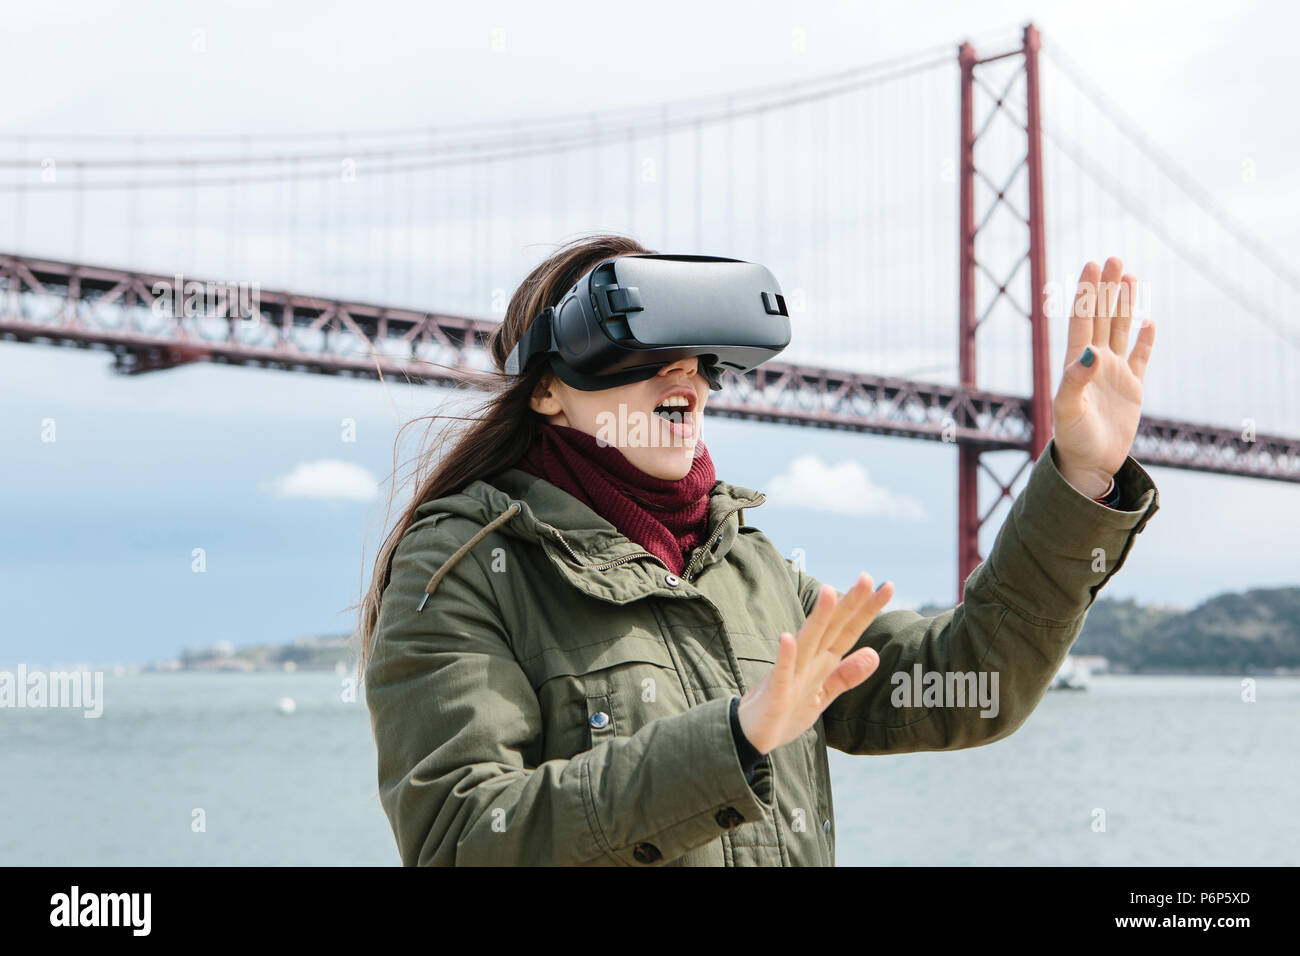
column 845, row 488
column 328, row 479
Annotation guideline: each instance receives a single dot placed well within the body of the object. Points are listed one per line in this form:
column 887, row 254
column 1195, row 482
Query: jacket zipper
column 721, row 527
column 608, row 564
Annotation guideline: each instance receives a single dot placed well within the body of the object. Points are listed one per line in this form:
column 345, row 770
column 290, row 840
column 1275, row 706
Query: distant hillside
column 1257, row 631
column 1120, row 631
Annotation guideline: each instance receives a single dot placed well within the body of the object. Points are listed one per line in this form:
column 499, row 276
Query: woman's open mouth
column 677, row 410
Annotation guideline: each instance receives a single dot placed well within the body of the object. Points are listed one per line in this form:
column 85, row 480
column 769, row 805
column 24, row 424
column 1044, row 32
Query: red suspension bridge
column 862, row 190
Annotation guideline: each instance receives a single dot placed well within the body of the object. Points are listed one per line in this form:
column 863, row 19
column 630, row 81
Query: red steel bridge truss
column 117, row 311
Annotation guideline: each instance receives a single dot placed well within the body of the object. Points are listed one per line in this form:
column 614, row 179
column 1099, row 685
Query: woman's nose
column 690, row 364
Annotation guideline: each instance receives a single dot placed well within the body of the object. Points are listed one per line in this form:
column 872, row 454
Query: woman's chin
column 670, row 464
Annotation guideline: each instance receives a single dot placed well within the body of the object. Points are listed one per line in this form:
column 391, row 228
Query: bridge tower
column 971, row 314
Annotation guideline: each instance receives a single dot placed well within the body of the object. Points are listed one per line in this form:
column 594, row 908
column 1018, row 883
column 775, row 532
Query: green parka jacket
column 563, row 698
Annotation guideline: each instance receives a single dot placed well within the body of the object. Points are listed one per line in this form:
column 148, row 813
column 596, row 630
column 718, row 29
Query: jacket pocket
column 581, row 659
column 591, row 692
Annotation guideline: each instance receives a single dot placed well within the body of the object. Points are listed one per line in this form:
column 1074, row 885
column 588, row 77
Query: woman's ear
column 544, row 400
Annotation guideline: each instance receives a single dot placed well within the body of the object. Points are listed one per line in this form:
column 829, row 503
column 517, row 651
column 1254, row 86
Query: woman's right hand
column 811, row 671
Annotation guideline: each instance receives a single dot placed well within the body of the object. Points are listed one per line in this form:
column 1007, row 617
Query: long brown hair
column 503, row 425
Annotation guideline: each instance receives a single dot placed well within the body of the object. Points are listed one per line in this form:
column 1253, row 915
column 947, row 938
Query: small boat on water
column 1073, row 675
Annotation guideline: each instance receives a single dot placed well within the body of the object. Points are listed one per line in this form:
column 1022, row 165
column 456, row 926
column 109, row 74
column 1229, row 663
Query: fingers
column 814, row 627
column 837, row 620
column 1142, row 350
column 1107, row 296
column 849, row 610
column 863, row 614
column 1123, row 320
column 851, row 672
column 1081, row 315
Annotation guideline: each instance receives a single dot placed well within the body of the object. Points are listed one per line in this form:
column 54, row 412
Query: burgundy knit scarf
column 667, row 518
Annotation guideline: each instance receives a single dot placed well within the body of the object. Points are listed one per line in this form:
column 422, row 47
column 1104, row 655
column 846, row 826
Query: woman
column 579, row 653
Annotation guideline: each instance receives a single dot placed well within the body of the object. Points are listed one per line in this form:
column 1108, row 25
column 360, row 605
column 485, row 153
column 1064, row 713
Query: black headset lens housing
column 630, row 316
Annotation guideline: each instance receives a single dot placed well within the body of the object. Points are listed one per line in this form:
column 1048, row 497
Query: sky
column 98, row 529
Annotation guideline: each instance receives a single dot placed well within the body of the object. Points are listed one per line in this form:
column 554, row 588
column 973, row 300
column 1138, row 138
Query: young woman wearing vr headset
column 577, row 651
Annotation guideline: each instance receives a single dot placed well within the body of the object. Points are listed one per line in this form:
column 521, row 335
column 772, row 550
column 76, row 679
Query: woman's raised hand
column 811, row 670
column 1098, row 407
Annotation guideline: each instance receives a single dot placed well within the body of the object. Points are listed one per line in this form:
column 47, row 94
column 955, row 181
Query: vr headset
column 630, row 316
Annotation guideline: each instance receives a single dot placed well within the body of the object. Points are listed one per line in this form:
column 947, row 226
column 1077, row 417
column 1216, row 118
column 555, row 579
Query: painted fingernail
column 1088, row 357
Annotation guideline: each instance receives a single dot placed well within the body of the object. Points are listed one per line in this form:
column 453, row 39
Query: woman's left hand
column 1096, row 410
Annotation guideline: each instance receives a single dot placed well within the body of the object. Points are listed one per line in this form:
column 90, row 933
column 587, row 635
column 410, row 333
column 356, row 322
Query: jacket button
column 672, row 580
column 646, row 853
column 599, row 719
column 826, row 827
column 729, row 818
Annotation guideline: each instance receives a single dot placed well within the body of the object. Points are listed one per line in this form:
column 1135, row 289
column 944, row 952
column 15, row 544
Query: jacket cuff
column 1058, row 547
column 747, row 752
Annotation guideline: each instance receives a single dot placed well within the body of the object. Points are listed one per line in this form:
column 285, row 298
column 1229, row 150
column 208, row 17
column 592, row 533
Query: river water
column 206, row 769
